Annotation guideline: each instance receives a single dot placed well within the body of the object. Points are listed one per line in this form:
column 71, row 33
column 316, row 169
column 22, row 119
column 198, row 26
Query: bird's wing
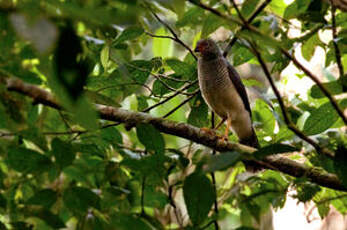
column 240, row 88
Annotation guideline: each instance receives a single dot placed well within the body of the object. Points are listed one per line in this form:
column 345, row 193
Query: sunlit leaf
column 129, row 34
column 162, row 47
column 320, row 120
column 333, row 87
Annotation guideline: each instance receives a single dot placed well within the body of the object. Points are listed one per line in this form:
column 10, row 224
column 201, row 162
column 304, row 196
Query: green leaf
column 262, row 113
column 278, row 7
column 98, row 98
column 245, row 228
column 152, row 167
column 112, row 135
column 127, row 221
column 34, row 135
column 222, row 161
column 340, row 164
column 142, row 103
column 79, row 199
column 104, row 56
column 151, row 138
column 162, row 47
column 211, row 24
column 320, row 119
column 248, row 7
column 323, row 209
column 129, row 33
column 273, row 149
column 241, row 54
column 27, row 160
column 139, row 70
column 85, row 114
column 296, row 8
column 309, row 46
column 159, row 89
column 45, row 198
column 199, row 196
column 194, row 16
column 3, row 202
column 252, row 82
column 198, row 115
column 21, row 225
column 63, row 152
column 176, row 6
column 51, row 219
column 306, row 191
column 181, row 68
column 334, row 87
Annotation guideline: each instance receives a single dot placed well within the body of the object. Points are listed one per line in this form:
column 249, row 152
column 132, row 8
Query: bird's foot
column 208, row 131
column 224, row 138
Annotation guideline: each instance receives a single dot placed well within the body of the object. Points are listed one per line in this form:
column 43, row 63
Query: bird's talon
column 208, row 131
column 225, row 138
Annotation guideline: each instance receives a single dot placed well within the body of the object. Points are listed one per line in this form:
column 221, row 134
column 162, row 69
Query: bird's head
column 207, row 48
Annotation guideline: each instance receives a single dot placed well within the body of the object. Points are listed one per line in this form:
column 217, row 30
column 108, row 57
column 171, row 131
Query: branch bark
column 255, row 31
column 186, row 131
column 285, row 114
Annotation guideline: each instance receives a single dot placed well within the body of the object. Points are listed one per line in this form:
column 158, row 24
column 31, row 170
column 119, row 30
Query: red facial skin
column 202, row 47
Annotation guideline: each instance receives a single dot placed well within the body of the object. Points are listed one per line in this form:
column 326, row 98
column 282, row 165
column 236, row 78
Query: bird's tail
column 251, row 141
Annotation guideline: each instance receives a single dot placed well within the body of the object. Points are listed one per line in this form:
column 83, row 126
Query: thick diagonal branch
column 185, row 131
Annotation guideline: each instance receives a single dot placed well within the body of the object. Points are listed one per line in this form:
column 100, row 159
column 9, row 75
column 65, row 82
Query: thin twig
column 287, row 120
column 175, row 36
column 238, row 12
column 253, row 16
column 284, row 51
column 174, row 206
column 319, row 84
column 336, row 47
column 214, row 183
column 181, row 104
column 170, row 97
column 207, row 225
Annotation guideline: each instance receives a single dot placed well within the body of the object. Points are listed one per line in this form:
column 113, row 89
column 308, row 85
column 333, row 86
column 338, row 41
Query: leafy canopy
column 70, row 170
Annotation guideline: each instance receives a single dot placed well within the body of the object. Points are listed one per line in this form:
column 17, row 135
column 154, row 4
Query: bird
column 223, row 91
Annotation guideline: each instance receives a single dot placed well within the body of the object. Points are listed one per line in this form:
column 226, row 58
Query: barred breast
column 217, row 88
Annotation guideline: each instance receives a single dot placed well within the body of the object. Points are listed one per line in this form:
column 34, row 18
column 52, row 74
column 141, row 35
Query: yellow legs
column 226, row 132
column 213, row 131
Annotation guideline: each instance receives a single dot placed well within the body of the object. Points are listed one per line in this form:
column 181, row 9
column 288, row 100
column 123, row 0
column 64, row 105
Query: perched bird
column 224, row 92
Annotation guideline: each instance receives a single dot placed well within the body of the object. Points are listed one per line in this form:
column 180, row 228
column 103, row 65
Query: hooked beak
column 197, row 50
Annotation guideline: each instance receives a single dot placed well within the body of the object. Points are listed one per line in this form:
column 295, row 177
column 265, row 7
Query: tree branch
column 287, row 120
column 172, row 96
column 175, row 36
column 188, row 132
column 319, row 84
column 337, row 50
column 255, row 31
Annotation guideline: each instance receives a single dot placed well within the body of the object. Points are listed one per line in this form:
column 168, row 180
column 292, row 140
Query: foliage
column 70, row 170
